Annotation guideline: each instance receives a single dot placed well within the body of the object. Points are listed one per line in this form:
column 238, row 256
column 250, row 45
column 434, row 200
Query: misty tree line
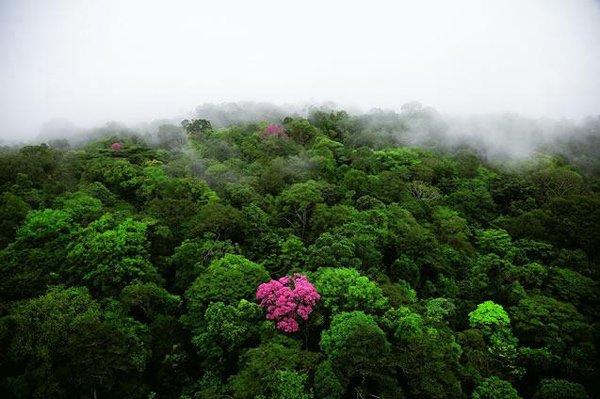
column 445, row 267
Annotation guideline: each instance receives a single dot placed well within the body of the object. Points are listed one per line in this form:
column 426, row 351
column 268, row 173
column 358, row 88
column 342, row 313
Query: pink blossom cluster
column 116, row 146
column 288, row 299
column 274, row 130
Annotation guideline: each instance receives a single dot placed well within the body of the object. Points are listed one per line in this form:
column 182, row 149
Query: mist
column 70, row 65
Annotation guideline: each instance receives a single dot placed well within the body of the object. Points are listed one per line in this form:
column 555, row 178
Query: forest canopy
column 321, row 256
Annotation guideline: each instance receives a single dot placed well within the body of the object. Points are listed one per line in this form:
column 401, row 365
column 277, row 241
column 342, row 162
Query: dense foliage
column 155, row 266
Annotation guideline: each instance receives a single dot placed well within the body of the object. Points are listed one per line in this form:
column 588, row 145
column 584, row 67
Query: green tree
column 494, row 322
column 495, row 388
column 427, row 357
column 110, row 254
column 572, row 287
column 345, row 289
column 553, row 388
column 146, row 301
column 197, row 129
column 63, row 344
column 260, row 364
column 291, row 255
column 327, row 382
column 192, row 257
column 332, row 251
column 221, row 220
column 82, row 207
column 544, row 321
column 34, row 260
column 357, row 347
column 226, row 280
column 440, row 310
column 301, row 130
column 452, row 229
column 297, row 203
column 221, row 333
column 290, row 385
column 13, row 211
column 494, row 241
column 489, row 317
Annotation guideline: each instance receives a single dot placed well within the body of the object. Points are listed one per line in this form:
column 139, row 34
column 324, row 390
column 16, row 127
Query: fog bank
column 88, row 62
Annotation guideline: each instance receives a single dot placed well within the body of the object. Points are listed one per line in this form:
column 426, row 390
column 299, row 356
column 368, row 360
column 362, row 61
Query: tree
column 572, row 287
column 335, row 124
column 115, row 174
column 489, row 317
column 301, row 130
column 495, row 388
column 485, row 276
column 197, row 129
column 223, row 221
column 226, row 280
column 82, row 207
column 288, row 300
column 556, row 181
column 553, row 388
column 442, row 269
column 424, row 192
column 495, row 241
column 171, row 137
column 575, row 223
column 290, row 385
column 146, row 301
column 37, row 255
column 473, row 201
column 192, row 257
column 427, row 357
column 440, row 310
column 297, row 204
column 331, row 250
column 110, row 254
column 260, row 365
column 327, row 382
column 64, row 343
column 345, row 289
column 544, row 321
column 13, row 211
column 357, row 347
column 452, row 229
column 290, row 256
column 494, row 322
column 223, row 331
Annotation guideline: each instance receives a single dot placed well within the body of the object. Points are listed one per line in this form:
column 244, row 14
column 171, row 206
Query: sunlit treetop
column 488, row 317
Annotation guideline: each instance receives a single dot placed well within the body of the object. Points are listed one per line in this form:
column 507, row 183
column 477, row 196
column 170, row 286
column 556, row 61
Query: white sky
column 93, row 61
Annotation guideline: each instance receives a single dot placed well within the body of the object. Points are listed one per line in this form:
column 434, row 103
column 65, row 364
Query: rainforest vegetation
column 321, row 256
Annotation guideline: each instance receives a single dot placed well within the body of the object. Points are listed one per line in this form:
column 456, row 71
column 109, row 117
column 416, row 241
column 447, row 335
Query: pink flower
column 274, row 131
column 288, row 299
column 116, row 146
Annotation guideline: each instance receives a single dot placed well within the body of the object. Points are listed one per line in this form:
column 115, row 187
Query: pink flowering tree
column 287, row 300
column 274, row 130
column 116, row 146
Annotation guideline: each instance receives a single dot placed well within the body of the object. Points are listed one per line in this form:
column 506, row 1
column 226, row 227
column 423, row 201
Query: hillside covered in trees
column 327, row 256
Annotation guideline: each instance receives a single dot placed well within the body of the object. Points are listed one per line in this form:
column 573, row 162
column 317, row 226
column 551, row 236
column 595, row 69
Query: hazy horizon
column 137, row 61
